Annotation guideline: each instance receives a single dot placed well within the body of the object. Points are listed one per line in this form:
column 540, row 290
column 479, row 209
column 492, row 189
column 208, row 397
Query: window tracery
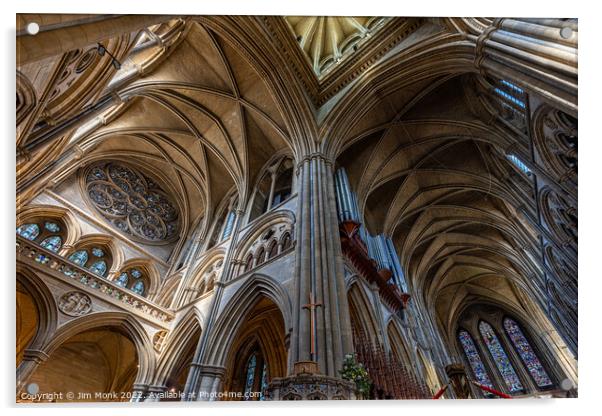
column 526, row 353
column 133, row 202
column 134, row 279
column 474, row 358
column 500, row 358
column 92, row 258
column 511, row 101
column 47, row 233
column 274, row 187
column 556, row 141
column 269, row 244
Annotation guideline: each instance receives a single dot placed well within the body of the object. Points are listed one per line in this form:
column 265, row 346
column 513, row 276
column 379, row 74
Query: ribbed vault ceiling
column 434, row 178
column 326, row 40
column 204, row 119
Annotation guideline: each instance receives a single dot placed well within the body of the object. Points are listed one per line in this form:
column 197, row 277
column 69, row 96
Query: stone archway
column 260, row 340
column 27, row 322
column 91, row 365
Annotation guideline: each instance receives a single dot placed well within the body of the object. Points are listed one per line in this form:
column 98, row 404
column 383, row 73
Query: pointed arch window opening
column 250, row 376
column 510, row 97
column 273, row 249
column 80, row 257
column 514, row 103
column 286, row 241
column 519, row 164
column 52, row 243
column 500, row 358
column 29, row 231
column 249, row 263
column 51, row 226
column 229, row 225
column 474, row 359
column 99, row 267
column 122, row 280
column 138, row 287
column 260, row 257
column 527, row 354
column 274, row 188
column 264, row 382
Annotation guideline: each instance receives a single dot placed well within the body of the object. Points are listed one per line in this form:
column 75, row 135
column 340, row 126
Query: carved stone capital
column 37, row 356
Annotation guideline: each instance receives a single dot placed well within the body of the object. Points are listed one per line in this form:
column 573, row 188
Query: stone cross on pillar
column 311, row 306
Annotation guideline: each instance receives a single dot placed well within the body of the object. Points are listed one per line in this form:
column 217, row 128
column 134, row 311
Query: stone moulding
column 311, row 387
column 60, row 268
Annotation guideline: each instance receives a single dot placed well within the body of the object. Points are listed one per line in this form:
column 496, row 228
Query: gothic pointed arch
column 398, row 344
column 364, row 322
column 120, row 355
column 178, row 350
column 258, row 352
column 41, row 311
column 232, row 315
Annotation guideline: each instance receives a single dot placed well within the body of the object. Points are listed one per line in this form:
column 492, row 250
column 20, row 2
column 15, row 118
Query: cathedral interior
column 255, row 207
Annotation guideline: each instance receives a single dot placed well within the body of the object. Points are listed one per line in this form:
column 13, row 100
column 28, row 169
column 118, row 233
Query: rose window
column 132, row 202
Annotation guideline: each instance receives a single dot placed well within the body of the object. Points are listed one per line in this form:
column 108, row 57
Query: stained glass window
column 53, row 227
column 122, row 280
column 264, row 381
column 526, row 353
column 500, row 357
column 474, row 359
column 29, row 231
column 98, row 252
column 99, row 267
column 134, row 203
column 80, row 257
column 138, row 287
column 136, row 273
column 510, row 97
column 250, row 375
column 52, row 243
column 519, row 164
column 229, row 224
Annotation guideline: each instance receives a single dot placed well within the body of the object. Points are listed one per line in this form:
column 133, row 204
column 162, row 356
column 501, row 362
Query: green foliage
column 355, row 372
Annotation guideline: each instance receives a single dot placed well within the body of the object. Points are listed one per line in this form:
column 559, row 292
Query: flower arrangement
column 355, row 372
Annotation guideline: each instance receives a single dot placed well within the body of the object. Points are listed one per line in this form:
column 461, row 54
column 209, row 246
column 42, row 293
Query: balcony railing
column 90, row 282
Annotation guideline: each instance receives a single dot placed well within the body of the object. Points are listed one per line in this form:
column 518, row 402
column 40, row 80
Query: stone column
column 139, row 391
column 210, row 379
column 319, row 270
column 205, row 377
column 31, row 360
column 539, row 55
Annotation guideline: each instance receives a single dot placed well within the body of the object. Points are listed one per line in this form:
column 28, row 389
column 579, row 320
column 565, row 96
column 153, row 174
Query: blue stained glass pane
column 510, row 98
column 80, row 257
column 250, row 375
column 519, row 164
column 138, row 287
column 122, row 280
column 97, row 252
column 229, row 225
column 136, row 273
column 474, row 359
column 29, row 231
column 526, row 353
column 99, row 267
column 52, row 243
column 512, row 86
column 264, row 382
column 500, row 358
column 53, row 227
